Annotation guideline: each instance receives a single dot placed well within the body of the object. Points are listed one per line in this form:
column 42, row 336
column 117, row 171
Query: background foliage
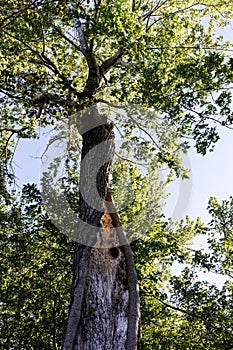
column 178, row 311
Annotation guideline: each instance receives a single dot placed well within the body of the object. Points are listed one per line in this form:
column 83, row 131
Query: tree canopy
column 164, row 55
column 163, row 64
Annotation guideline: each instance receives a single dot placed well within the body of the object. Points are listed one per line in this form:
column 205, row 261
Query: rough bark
column 104, row 309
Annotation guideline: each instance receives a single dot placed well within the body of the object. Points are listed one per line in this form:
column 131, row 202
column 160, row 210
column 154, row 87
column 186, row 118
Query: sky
column 211, row 175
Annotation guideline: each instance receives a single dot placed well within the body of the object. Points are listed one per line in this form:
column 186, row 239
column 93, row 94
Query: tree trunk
column 104, row 309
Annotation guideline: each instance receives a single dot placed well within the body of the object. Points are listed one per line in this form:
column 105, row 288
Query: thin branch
column 138, row 124
column 209, row 89
column 133, row 5
column 110, row 62
column 128, row 64
column 130, row 160
column 43, row 59
column 66, row 38
column 109, row 103
column 184, row 9
column 6, row 145
column 13, row 131
column 48, row 97
column 43, row 38
column 51, row 65
column 97, row 9
column 203, row 117
column 17, row 14
column 192, row 314
column 214, row 6
column 151, row 12
column 218, row 48
column 8, row 94
column 222, row 274
column 24, row 43
column 181, row 310
column 219, row 122
column 13, row 154
column 154, row 9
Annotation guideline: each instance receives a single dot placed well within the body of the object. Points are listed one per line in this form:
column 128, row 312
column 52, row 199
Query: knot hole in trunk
column 114, row 252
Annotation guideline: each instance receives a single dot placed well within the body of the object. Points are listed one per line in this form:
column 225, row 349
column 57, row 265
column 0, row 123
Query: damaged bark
column 104, row 310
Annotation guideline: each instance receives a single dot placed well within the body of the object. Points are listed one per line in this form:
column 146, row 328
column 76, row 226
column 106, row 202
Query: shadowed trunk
column 104, row 310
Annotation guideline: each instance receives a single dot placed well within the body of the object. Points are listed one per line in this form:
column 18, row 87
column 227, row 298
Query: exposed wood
column 104, row 310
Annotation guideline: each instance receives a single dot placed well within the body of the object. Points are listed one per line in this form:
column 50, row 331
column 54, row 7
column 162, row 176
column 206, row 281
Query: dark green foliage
column 36, row 271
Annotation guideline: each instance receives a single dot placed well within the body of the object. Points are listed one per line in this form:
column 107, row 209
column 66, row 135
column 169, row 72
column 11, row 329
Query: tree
column 61, row 59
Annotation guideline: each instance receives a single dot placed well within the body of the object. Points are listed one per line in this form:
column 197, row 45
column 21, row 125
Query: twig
column 130, row 160
column 218, row 48
column 13, row 131
column 66, row 38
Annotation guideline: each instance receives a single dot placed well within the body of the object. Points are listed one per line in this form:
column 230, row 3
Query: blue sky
column 211, row 175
